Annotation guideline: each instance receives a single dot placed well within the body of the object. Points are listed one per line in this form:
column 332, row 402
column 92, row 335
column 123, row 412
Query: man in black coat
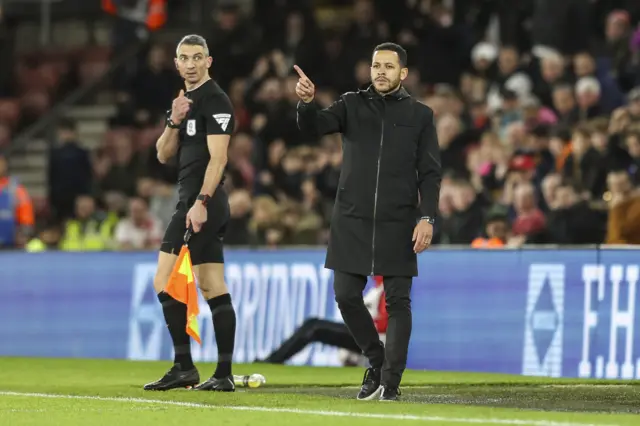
column 390, row 157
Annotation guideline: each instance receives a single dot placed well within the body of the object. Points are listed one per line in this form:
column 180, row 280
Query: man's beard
column 393, row 86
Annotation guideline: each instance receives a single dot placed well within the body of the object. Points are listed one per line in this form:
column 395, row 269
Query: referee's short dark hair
column 402, row 54
column 194, row 40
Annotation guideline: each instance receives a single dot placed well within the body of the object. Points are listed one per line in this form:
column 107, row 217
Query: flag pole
column 187, row 235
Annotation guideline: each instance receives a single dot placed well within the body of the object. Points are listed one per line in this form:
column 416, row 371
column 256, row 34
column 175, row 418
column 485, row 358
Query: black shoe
column 370, row 385
column 389, row 393
column 175, row 378
column 226, row 384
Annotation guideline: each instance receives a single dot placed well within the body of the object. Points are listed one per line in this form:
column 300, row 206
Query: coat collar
column 399, row 94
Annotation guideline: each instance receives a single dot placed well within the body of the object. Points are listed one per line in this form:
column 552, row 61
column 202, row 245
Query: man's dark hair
column 402, row 54
column 194, row 40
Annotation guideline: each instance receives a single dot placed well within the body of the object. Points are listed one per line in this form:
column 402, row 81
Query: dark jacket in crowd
column 391, row 157
column 562, row 25
column 578, row 224
column 587, row 172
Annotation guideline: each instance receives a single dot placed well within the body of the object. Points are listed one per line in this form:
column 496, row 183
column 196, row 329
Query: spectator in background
column 632, row 145
column 452, row 142
column 633, row 108
column 366, row 31
column 240, row 215
column 118, row 168
column 153, row 87
column 300, row 42
column 521, row 169
column 584, row 165
column 565, row 105
column 300, row 226
column 624, row 213
column 240, row 164
column 140, row 230
column 510, row 120
column 496, row 231
column 329, row 162
column 263, row 226
column 615, row 51
column 529, row 221
column 160, row 197
column 571, row 219
column 115, row 208
column 87, row 231
column 16, row 210
column 588, row 94
column 552, row 73
column 560, row 25
column 560, row 146
column 550, row 184
column 584, row 65
column 232, row 42
column 70, row 171
column 48, row 238
column 467, row 219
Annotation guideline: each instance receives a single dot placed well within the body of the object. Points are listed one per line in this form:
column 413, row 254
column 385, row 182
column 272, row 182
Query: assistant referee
column 391, row 156
column 198, row 130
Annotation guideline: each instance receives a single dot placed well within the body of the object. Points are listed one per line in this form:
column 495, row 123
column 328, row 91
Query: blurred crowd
column 537, row 111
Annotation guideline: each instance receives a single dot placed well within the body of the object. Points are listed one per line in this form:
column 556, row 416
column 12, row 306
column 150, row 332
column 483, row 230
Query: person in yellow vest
column 496, row 230
column 48, row 239
column 87, row 231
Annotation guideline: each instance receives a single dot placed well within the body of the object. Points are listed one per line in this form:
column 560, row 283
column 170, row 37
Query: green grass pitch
column 99, row 392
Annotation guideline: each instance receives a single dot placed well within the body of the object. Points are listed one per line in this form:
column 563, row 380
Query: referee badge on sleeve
column 222, row 120
column 191, row 127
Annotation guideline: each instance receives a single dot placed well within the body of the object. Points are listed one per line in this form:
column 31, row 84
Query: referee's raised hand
column 180, row 108
column 305, row 89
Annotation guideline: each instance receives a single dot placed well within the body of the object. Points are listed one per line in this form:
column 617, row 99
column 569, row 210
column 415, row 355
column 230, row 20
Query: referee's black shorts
column 205, row 246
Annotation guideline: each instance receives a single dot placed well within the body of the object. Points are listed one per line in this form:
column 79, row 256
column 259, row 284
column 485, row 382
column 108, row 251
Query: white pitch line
column 470, row 420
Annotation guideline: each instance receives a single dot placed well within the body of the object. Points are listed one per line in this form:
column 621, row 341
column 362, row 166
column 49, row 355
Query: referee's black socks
column 224, row 326
column 175, row 315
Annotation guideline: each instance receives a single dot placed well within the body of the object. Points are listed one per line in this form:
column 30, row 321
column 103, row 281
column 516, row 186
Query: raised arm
column 313, row 120
column 167, row 144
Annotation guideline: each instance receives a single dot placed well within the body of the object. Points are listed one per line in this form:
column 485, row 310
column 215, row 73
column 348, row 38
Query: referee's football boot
column 225, row 384
column 174, row 379
column 370, row 385
column 389, row 393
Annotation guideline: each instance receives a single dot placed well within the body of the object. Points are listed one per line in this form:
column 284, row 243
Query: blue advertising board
column 560, row 313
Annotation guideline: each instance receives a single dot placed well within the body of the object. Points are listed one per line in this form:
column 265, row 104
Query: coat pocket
column 349, row 205
column 406, row 131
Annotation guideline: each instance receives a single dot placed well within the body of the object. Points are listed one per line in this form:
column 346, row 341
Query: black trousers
column 392, row 358
column 314, row 330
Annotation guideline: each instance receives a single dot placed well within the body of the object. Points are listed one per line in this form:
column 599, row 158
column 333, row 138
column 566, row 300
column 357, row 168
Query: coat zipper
column 375, row 199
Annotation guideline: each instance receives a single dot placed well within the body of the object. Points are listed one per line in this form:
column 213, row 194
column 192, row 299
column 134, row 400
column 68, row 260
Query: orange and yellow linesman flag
column 182, row 287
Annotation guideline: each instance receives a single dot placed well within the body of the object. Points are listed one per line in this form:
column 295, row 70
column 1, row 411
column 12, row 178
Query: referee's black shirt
column 211, row 113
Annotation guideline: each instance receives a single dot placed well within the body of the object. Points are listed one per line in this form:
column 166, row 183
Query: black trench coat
column 391, row 158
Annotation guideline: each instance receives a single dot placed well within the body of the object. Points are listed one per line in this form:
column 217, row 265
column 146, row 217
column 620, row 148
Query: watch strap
column 429, row 219
column 171, row 124
column 204, row 198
